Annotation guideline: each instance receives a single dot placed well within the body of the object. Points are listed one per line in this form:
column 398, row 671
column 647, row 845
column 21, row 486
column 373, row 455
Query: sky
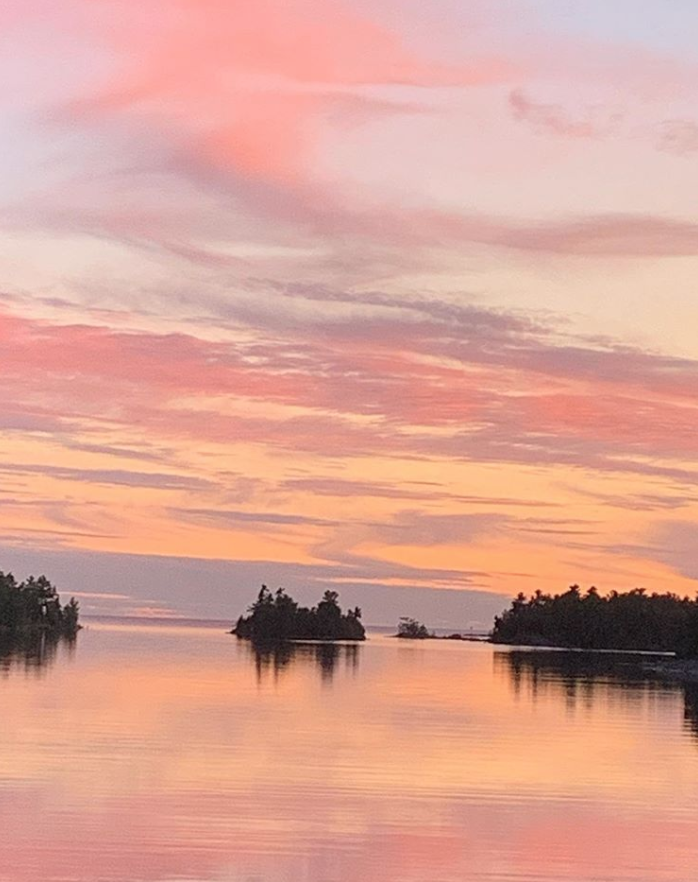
column 392, row 298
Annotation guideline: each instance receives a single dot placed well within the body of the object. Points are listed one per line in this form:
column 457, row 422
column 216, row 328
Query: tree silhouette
column 411, row 629
column 278, row 616
column 634, row 620
column 33, row 606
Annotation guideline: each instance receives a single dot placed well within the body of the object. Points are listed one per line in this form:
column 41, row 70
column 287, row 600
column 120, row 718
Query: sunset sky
column 392, row 297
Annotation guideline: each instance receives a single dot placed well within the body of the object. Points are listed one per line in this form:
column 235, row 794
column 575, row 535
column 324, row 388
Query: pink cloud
column 222, row 114
column 469, row 385
column 250, row 83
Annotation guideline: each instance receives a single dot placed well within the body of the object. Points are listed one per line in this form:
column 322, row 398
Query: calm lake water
column 175, row 753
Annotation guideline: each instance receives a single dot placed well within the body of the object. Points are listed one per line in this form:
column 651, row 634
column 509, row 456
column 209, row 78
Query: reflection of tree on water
column 32, row 652
column 579, row 677
column 576, row 675
column 690, row 709
column 274, row 658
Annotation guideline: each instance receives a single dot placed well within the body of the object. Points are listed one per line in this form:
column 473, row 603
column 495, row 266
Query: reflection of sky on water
column 161, row 754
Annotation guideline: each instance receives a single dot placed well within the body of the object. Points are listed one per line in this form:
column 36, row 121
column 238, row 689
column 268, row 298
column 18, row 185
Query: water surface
column 146, row 753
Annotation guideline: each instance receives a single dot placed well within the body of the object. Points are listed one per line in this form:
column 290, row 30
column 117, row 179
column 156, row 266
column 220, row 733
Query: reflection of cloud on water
column 271, row 659
column 580, row 677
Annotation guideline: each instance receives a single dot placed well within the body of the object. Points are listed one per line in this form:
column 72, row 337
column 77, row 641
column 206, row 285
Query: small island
column 630, row 621
column 33, row 608
column 277, row 617
column 411, row 629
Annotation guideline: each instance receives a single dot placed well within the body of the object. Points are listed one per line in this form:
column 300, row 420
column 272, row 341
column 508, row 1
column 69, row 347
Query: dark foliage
column 278, row 617
column 34, row 607
column 411, row 629
column 633, row 620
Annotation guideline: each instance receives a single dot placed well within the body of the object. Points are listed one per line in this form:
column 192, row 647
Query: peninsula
column 277, row 616
column 633, row 620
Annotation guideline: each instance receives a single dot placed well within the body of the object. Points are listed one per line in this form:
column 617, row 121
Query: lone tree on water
column 411, row 629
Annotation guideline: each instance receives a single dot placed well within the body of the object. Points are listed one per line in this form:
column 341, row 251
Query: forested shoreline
column 632, row 620
column 34, row 607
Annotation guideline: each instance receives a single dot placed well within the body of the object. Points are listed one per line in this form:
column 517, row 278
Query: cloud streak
column 412, row 382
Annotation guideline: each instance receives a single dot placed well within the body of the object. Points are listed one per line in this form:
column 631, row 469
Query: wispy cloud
column 678, row 136
column 554, row 119
column 117, row 477
column 501, row 386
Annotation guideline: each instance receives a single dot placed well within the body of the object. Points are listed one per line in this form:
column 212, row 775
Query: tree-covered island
column 634, row 620
column 277, row 616
column 33, row 607
column 411, row 629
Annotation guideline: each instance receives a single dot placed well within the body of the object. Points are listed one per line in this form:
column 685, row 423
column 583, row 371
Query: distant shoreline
column 456, row 638
column 373, row 629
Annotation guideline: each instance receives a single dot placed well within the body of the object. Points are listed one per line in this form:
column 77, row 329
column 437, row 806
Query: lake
column 154, row 753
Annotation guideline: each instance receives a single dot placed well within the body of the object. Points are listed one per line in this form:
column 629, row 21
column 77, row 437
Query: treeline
column 34, row 607
column 634, row 620
column 277, row 616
